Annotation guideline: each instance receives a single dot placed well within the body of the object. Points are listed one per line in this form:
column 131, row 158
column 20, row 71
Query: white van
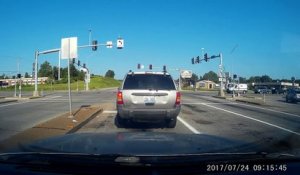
column 237, row 88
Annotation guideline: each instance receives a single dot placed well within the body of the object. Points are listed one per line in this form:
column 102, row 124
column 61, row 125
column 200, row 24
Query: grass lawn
column 97, row 82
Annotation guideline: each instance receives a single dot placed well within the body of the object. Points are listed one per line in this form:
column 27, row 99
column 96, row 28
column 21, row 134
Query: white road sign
column 186, row 74
column 69, row 48
column 120, row 43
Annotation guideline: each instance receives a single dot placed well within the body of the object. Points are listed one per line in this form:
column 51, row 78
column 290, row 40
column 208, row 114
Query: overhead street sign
column 69, row 48
column 109, row 44
column 186, row 74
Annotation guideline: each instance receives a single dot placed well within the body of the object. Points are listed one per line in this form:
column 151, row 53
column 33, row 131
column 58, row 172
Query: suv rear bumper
column 129, row 113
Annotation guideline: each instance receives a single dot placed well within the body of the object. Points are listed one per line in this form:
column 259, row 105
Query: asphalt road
column 275, row 125
column 18, row 116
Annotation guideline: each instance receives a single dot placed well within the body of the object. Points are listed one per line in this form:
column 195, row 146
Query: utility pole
column 59, row 57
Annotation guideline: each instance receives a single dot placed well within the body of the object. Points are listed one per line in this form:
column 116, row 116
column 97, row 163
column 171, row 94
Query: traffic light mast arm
column 57, row 50
column 91, row 45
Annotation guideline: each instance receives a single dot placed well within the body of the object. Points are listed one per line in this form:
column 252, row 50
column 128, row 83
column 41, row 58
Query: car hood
column 139, row 143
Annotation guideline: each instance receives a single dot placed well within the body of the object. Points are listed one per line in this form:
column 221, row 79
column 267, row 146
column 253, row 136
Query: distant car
column 237, row 88
column 278, row 90
column 293, row 95
column 146, row 96
column 262, row 90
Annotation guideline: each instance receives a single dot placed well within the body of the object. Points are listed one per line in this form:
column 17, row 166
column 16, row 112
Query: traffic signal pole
column 37, row 53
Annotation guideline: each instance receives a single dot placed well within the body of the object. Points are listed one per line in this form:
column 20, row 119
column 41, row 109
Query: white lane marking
column 51, row 97
column 195, row 131
column 33, row 100
column 241, row 115
column 233, row 103
column 295, row 115
column 13, row 104
column 109, row 112
column 197, row 103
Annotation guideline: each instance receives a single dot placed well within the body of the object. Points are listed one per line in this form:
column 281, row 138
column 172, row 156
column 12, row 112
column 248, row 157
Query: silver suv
column 148, row 96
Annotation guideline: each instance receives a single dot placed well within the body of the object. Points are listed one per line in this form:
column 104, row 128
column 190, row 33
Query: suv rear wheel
column 120, row 122
column 171, row 123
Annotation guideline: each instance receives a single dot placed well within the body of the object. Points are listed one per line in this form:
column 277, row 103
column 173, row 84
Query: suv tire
column 120, row 122
column 171, row 123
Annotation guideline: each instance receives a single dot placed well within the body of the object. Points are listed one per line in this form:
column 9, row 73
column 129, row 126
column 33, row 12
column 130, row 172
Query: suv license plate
column 149, row 99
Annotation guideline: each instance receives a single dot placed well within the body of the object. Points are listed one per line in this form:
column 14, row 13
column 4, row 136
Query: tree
column 26, row 75
column 194, row 78
column 254, row 79
column 212, row 76
column 45, row 70
column 55, row 72
column 2, row 76
column 242, row 80
column 265, row 79
column 110, row 74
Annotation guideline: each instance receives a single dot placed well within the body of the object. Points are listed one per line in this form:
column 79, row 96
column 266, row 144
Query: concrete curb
column 77, row 127
column 249, row 100
column 8, row 101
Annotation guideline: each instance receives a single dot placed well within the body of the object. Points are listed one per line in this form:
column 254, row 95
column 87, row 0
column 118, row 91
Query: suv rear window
column 149, row 81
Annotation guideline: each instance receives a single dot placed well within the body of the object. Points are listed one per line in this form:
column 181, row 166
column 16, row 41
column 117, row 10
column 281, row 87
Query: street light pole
column 35, row 93
column 221, row 73
column 59, row 57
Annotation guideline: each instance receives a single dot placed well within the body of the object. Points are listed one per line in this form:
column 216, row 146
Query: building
column 205, row 84
column 25, row 81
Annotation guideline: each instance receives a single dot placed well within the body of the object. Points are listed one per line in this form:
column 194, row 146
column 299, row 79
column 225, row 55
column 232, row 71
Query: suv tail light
column 178, row 98
column 120, row 98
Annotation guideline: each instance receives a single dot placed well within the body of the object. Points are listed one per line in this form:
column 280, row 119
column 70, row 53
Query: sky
column 255, row 37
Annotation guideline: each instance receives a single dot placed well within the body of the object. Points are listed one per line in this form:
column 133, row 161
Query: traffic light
column 198, row 59
column 73, row 60
column 205, row 57
column 139, row 66
column 78, row 63
column 83, row 65
column 94, row 43
column 193, row 60
column 234, row 76
column 150, row 66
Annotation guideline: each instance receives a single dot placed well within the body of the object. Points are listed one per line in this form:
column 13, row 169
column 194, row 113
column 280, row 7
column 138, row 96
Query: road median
column 250, row 100
column 59, row 125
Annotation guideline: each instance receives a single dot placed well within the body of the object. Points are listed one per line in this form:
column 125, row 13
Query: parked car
column 262, row 90
column 278, row 90
column 293, row 95
column 148, row 96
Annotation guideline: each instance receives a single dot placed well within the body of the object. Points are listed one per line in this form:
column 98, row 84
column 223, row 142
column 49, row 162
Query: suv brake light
column 120, row 98
column 178, row 98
